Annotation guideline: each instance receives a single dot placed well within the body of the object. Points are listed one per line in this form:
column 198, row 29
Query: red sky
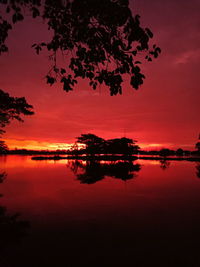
column 164, row 111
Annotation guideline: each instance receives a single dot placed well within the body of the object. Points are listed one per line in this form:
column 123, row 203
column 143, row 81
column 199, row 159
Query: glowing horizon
column 52, row 146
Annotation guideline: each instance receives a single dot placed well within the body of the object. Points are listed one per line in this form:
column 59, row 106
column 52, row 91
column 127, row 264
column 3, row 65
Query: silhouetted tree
column 166, row 152
column 12, row 108
column 101, row 38
column 97, row 145
column 3, row 147
column 93, row 143
column 179, row 152
column 122, row 145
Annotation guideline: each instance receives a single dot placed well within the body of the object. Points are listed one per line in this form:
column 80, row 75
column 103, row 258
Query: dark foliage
column 12, row 108
column 166, row 152
column 3, row 147
column 97, row 145
column 93, row 143
column 102, row 39
column 179, row 152
column 122, row 145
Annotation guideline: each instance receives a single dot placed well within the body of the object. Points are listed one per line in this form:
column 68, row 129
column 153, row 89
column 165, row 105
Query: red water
column 123, row 217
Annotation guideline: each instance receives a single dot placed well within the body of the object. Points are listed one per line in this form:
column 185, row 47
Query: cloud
column 187, row 57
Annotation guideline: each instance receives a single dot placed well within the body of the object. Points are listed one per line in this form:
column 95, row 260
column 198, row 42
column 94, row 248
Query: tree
column 97, row 145
column 180, row 152
column 3, row 147
column 12, row 108
column 93, row 143
column 122, row 145
column 102, row 40
column 164, row 152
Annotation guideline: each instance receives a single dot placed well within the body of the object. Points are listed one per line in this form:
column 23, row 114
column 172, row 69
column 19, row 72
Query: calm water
column 74, row 213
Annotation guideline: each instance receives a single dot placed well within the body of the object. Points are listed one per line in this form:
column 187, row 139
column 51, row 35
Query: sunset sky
column 164, row 112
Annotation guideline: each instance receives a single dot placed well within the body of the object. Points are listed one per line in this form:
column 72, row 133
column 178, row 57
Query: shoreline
column 116, row 157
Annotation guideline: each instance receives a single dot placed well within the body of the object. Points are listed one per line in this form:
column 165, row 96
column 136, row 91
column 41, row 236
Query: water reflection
column 12, row 229
column 164, row 164
column 198, row 170
column 107, row 224
column 90, row 172
column 2, row 178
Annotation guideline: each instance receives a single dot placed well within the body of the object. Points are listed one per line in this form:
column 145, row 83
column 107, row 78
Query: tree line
column 98, row 145
column 91, row 145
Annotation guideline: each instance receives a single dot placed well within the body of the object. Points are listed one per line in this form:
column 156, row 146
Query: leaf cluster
column 100, row 39
column 13, row 11
column 12, row 108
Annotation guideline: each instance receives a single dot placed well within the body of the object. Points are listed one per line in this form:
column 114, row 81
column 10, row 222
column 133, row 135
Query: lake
column 77, row 213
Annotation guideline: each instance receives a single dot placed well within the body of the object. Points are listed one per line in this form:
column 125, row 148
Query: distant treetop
column 102, row 40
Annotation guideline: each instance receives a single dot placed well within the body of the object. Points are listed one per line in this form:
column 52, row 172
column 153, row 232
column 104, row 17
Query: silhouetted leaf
column 11, row 108
column 35, row 12
column 8, row 9
column 50, row 80
column 101, row 38
column 158, row 49
column 14, row 18
column 62, row 71
column 150, row 34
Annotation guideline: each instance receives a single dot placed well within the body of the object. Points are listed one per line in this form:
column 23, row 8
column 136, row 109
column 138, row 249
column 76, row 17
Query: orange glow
column 15, row 162
column 36, row 145
column 43, row 145
column 154, row 146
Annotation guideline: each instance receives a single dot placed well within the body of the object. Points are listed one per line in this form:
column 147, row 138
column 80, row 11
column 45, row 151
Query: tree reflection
column 2, row 177
column 90, row 172
column 12, row 229
column 164, row 164
column 198, row 170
